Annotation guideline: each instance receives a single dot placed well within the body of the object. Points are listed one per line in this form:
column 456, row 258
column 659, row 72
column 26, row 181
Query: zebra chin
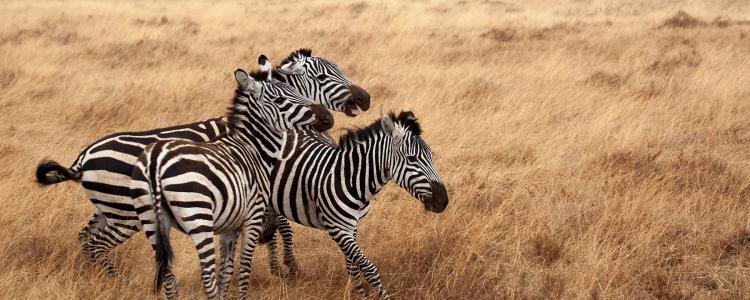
column 438, row 200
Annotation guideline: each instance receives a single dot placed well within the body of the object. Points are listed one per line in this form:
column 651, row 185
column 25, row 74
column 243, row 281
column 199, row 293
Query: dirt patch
column 603, row 79
column 557, row 30
column 500, row 35
column 736, row 244
column 545, row 248
column 155, row 22
column 677, row 54
column 682, row 19
column 358, row 8
column 7, row 78
column 648, row 91
column 30, row 251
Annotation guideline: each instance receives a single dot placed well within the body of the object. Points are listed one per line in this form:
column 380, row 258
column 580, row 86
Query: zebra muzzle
column 359, row 101
column 324, row 118
column 438, row 201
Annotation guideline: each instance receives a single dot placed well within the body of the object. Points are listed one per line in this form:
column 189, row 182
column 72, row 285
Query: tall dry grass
column 591, row 149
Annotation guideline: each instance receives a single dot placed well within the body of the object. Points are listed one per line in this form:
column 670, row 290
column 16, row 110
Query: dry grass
column 591, row 148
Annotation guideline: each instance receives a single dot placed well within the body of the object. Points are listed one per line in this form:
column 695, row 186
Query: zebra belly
column 301, row 212
column 110, row 193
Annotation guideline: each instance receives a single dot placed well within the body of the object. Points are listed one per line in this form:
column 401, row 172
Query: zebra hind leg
column 251, row 232
column 273, row 258
column 204, row 244
column 95, row 223
column 102, row 242
column 228, row 244
column 268, row 237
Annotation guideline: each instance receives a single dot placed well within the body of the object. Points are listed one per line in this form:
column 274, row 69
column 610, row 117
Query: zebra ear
column 265, row 65
column 246, row 83
column 295, row 67
column 243, row 80
column 390, row 129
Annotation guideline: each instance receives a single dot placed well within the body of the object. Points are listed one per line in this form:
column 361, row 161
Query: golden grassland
column 591, row 149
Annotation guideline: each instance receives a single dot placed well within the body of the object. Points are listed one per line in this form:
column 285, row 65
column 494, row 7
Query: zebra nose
column 360, row 97
column 439, row 199
column 323, row 116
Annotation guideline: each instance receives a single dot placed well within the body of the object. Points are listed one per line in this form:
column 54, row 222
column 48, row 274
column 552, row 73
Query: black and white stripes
column 105, row 166
column 321, row 185
column 221, row 186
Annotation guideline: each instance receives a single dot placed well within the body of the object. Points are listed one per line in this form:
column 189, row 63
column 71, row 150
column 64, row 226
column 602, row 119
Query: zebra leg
column 204, row 244
column 285, row 230
column 228, row 243
column 273, row 258
column 170, row 285
column 104, row 240
column 354, row 272
column 95, row 223
column 251, row 232
column 170, row 282
column 346, row 241
column 91, row 227
column 268, row 237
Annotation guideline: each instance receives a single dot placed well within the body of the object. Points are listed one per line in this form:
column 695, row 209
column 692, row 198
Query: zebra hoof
column 277, row 273
column 293, row 270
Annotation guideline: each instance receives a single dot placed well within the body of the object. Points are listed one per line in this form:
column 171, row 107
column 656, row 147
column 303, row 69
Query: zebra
column 220, row 186
column 318, row 184
column 105, row 166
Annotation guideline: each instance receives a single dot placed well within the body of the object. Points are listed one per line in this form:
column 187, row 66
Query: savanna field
column 591, row 149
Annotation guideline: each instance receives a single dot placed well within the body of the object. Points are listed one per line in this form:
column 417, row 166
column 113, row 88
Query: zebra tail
column 164, row 253
column 50, row 172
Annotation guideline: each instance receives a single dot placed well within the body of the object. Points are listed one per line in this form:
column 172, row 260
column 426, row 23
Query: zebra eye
column 322, row 76
column 279, row 100
column 411, row 158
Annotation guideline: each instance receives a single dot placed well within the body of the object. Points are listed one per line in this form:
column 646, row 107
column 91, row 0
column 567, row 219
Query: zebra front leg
column 228, row 243
column 285, row 230
column 348, row 244
column 251, row 232
column 354, row 272
column 107, row 238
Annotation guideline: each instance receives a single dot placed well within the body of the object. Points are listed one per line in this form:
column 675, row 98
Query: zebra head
column 276, row 104
column 322, row 81
column 411, row 166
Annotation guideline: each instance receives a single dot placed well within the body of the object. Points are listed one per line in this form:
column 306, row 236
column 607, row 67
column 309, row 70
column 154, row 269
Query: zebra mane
column 240, row 99
column 404, row 118
column 234, row 111
column 302, row 51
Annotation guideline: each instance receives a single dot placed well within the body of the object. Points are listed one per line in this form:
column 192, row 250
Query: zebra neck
column 259, row 138
column 364, row 166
